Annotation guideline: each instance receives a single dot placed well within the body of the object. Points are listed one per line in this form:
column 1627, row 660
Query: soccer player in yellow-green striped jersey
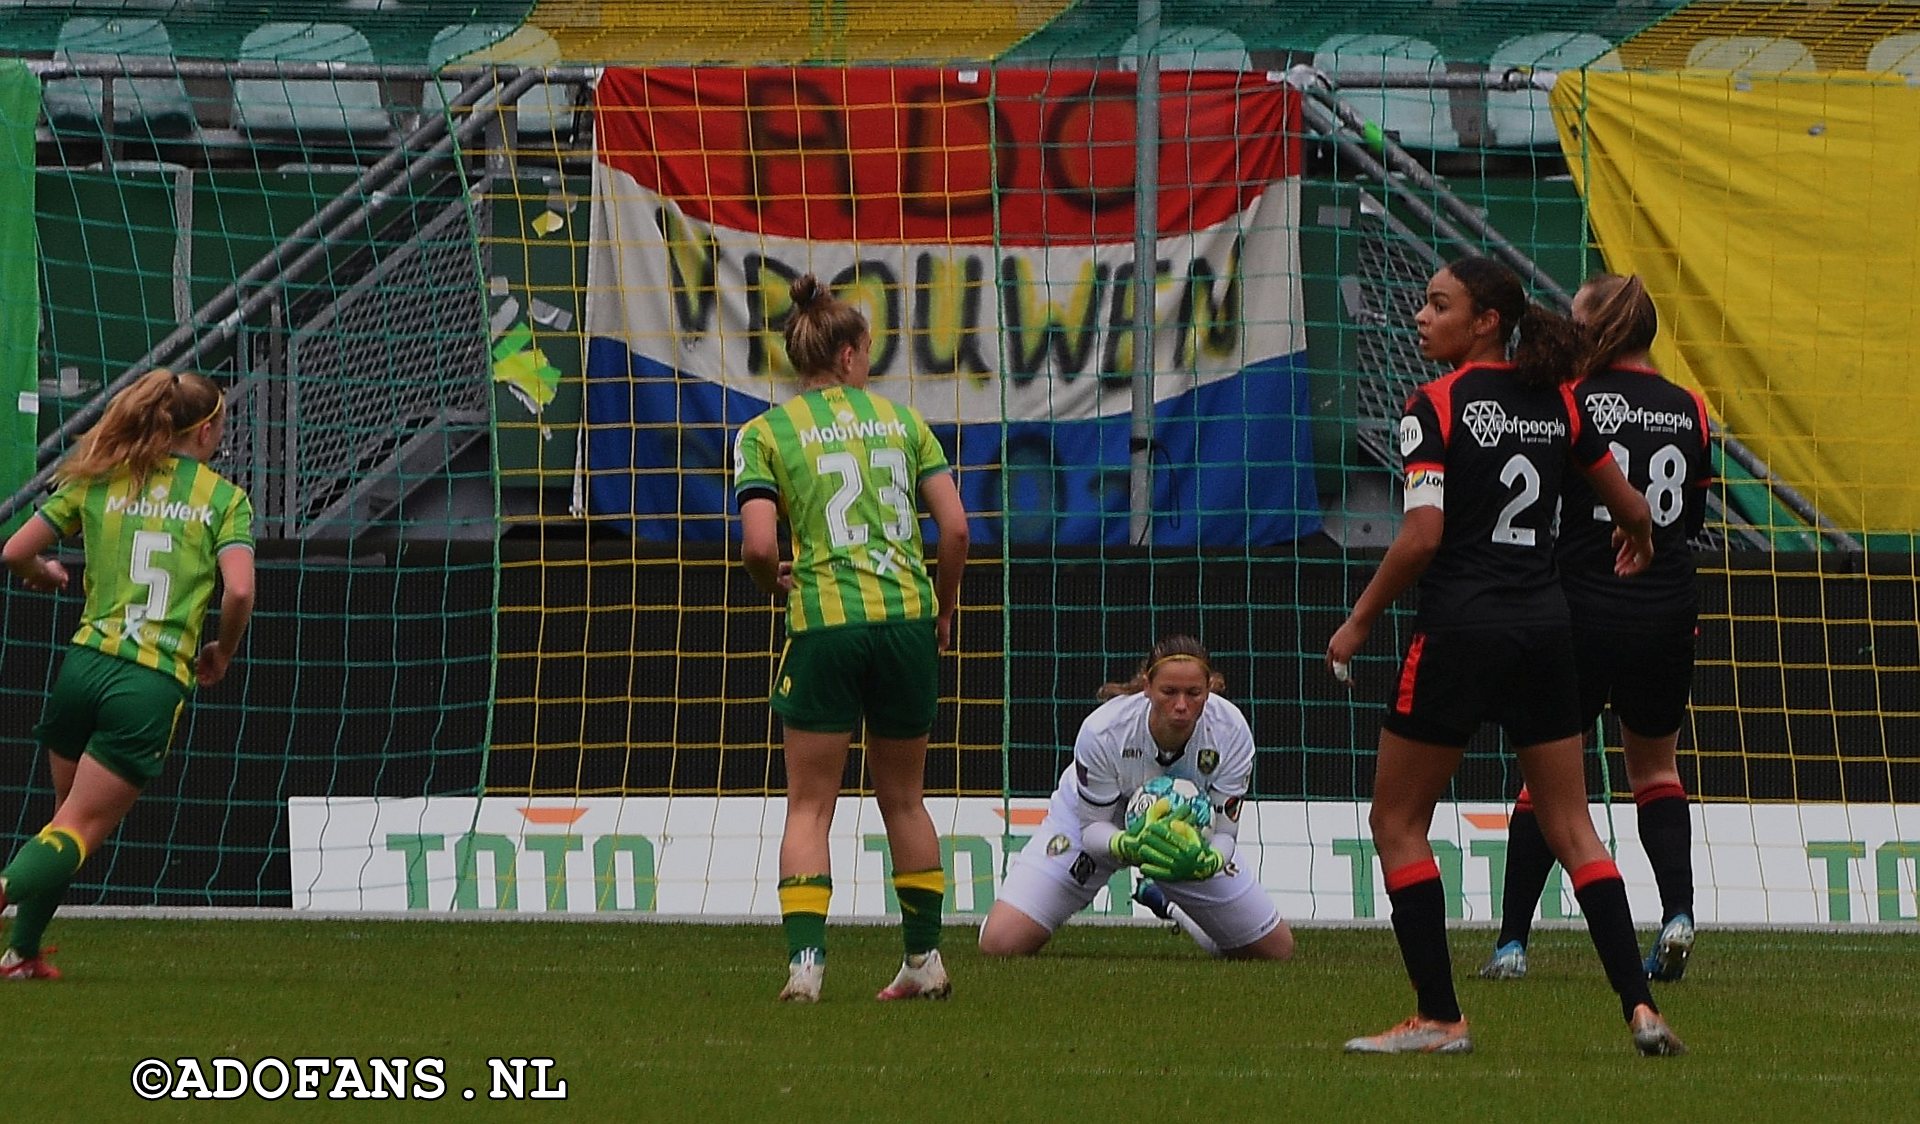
column 158, row 526
column 152, row 549
column 865, row 623
column 846, row 464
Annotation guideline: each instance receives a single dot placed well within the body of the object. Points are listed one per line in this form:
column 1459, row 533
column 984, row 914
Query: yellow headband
column 219, row 404
column 1155, row 665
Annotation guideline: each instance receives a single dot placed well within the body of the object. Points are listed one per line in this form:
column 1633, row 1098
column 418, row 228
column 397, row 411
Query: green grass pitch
column 677, row 1022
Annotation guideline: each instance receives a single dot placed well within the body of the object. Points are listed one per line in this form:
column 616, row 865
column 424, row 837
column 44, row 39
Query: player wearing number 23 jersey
column 847, row 470
column 845, row 465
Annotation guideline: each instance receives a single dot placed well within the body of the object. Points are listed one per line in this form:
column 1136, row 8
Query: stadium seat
column 1521, row 118
column 1192, row 48
column 151, row 106
column 544, row 111
column 1421, row 118
column 1898, row 54
column 1750, row 54
column 318, row 107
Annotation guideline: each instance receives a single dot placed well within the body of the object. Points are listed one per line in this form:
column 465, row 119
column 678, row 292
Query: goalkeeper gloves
column 1126, row 846
column 1171, row 851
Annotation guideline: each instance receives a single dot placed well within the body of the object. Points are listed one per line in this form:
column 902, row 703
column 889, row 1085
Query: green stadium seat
column 1521, row 118
column 1192, row 48
column 308, row 107
column 544, row 111
column 1421, row 118
column 149, row 106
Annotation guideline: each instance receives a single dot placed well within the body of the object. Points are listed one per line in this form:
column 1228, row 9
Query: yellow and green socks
column 803, row 912
column 36, row 880
column 921, row 893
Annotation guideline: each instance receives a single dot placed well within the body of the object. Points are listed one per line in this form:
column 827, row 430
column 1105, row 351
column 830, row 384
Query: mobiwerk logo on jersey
column 1611, row 411
column 847, row 428
column 148, row 508
column 1488, row 423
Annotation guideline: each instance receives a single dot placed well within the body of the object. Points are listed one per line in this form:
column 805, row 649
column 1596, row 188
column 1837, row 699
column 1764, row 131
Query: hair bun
column 806, row 289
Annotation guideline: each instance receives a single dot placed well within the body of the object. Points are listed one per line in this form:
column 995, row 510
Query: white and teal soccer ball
column 1184, row 800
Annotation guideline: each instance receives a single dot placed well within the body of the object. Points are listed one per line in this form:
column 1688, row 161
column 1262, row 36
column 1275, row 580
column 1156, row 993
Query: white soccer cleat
column 1671, row 949
column 1508, row 962
column 1416, row 1036
column 920, row 977
column 1652, row 1036
column 804, row 975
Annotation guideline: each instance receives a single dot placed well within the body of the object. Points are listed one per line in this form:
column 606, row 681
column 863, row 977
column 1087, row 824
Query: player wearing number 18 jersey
column 1633, row 637
column 1485, row 449
column 864, row 621
column 158, row 523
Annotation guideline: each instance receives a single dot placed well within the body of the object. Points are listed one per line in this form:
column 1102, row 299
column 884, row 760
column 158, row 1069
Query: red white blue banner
column 985, row 222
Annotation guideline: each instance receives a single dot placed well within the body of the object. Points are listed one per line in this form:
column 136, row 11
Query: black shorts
column 1646, row 675
column 1452, row 680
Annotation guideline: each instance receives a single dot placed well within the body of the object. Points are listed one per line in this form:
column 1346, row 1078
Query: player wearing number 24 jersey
column 159, row 525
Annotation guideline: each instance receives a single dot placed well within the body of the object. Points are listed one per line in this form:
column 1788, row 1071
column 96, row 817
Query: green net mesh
column 400, row 319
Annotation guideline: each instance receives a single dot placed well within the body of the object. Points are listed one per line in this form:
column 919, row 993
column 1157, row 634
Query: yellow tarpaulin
column 1776, row 221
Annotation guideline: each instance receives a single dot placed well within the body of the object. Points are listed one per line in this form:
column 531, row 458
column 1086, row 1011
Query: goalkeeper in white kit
column 1168, row 721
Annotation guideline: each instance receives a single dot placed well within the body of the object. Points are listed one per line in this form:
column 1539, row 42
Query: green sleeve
column 62, row 509
column 237, row 528
column 752, row 459
column 932, row 458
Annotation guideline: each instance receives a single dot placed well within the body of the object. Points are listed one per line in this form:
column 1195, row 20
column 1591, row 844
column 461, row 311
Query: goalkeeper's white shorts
column 1053, row 879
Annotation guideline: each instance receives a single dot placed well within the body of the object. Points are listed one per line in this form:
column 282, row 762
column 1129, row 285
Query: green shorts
column 889, row 673
column 114, row 710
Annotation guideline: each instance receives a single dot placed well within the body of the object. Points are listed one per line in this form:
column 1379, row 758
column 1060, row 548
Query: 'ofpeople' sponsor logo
column 1611, row 411
column 1488, row 421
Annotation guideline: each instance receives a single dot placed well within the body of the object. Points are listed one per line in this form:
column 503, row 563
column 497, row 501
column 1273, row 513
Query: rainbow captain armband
column 1426, row 486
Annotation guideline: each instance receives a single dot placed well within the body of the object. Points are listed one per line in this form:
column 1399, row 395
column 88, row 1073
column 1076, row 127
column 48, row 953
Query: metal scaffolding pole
column 1146, row 256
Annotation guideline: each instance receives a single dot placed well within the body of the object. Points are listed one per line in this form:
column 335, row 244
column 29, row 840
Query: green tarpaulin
column 19, row 281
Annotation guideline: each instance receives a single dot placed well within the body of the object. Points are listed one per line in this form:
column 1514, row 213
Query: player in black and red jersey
column 1633, row 638
column 1486, row 448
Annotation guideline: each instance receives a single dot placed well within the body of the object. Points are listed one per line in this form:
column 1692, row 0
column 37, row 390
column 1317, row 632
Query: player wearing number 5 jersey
column 865, row 623
column 1486, row 448
column 1633, row 637
column 158, row 525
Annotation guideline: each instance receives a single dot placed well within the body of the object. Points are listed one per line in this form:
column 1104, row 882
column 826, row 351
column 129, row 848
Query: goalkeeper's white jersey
column 1115, row 754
